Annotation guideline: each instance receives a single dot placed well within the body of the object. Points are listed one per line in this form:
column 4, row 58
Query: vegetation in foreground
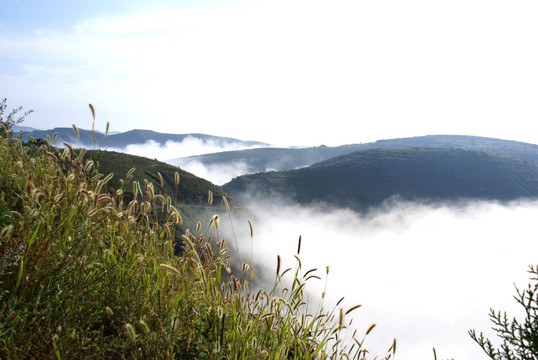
column 86, row 275
column 519, row 338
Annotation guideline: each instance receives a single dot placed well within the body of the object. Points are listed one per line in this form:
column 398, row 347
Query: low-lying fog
column 178, row 152
column 424, row 274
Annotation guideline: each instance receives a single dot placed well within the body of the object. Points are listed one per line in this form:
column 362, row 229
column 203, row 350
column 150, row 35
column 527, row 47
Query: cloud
column 217, row 174
column 402, row 69
column 189, row 146
column 426, row 274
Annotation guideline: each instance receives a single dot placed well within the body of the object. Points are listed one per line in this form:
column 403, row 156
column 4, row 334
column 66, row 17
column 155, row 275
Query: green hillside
column 277, row 159
column 191, row 189
column 367, row 178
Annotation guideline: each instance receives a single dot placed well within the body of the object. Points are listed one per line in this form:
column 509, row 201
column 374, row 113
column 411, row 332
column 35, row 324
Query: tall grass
column 86, row 275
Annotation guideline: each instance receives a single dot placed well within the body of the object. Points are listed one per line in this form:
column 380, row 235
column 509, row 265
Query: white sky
column 283, row 72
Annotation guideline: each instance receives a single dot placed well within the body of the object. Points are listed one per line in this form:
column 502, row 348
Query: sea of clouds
column 178, row 153
column 425, row 274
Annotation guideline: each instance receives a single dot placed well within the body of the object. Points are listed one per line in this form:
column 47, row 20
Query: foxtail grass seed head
column 251, row 229
column 226, row 204
column 341, row 319
column 353, row 308
column 176, row 215
column 71, row 151
column 210, row 198
column 76, row 131
column 161, row 180
column 215, row 221
column 130, row 330
column 107, row 128
column 277, row 265
column 170, row 268
column 168, row 204
column 299, row 246
column 144, row 326
column 176, row 178
column 130, row 172
column 93, row 111
column 370, row 328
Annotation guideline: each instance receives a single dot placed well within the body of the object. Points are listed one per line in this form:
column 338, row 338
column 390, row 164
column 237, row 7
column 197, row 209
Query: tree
column 14, row 117
column 519, row 338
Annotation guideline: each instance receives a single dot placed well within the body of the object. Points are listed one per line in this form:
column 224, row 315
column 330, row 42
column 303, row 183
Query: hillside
column 189, row 195
column 191, row 189
column 89, row 274
column 267, row 158
column 277, row 159
column 367, row 178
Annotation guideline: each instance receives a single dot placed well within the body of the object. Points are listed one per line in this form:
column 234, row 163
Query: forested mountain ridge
column 268, row 159
column 367, row 178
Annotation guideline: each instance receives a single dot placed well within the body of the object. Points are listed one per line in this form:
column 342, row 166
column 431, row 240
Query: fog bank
column 189, row 146
column 425, row 274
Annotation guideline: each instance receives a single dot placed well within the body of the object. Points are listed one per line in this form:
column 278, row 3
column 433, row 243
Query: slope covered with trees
column 278, row 159
column 367, row 178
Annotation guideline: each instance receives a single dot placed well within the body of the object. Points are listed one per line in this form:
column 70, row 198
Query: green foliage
column 367, row 178
column 519, row 338
column 86, row 273
column 14, row 117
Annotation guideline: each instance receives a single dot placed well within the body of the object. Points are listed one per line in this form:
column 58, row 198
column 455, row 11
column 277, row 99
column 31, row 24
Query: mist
column 170, row 151
column 425, row 274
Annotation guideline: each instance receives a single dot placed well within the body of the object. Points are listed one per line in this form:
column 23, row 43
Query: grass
column 88, row 274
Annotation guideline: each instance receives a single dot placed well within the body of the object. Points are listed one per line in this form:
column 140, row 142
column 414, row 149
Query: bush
column 7, row 121
column 519, row 338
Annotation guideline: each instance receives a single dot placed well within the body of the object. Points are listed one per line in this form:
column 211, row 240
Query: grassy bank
column 88, row 274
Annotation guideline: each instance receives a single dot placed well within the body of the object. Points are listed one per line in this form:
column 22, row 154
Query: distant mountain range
column 276, row 159
column 121, row 140
column 359, row 176
column 367, row 178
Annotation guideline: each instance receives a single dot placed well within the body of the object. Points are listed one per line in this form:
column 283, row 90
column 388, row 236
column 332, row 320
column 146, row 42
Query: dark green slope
column 367, row 178
column 517, row 149
column 265, row 159
column 190, row 190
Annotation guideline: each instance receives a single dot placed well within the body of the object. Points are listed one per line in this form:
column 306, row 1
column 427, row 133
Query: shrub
column 519, row 338
column 8, row 120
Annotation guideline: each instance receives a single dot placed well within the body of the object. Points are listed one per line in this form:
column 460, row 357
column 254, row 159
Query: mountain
column 266, row 159
column 121, row 140
column 366, row 178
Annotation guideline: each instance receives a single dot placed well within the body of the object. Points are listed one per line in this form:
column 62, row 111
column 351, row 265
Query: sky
column 294, row 72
